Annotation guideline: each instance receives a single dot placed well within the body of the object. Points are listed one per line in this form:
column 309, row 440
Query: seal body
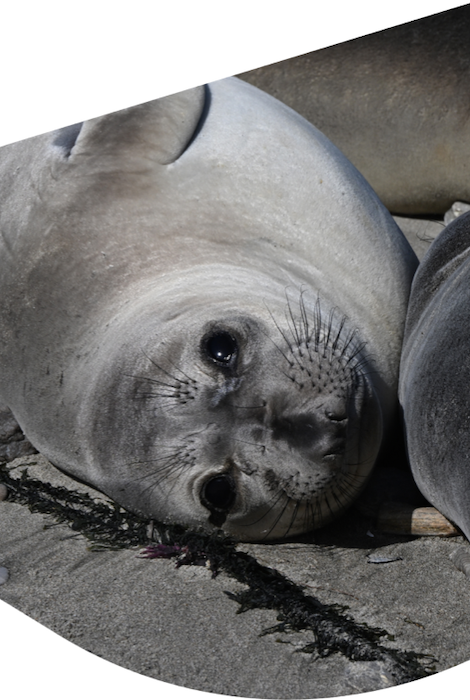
column 435, row 374
column 202, row 310
column 396, row 103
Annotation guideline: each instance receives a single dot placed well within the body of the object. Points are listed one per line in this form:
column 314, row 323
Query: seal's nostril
column 218, row 493
column 336, row 416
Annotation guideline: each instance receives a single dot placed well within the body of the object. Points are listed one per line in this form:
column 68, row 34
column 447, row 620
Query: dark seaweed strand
column 333, row 630
column 107, row 526
column 111, row 527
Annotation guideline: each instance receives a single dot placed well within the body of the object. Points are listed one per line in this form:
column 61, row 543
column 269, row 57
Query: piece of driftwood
column 405, row 519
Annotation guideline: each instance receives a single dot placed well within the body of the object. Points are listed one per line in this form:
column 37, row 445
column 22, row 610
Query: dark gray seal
column 435, row 374
column 396, row 103
column 202, row 310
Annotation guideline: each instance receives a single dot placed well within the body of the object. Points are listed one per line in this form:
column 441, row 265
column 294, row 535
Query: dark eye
column 218, row 493
column 221, row 347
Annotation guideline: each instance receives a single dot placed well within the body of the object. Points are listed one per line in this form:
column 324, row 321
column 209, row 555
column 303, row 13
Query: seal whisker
column 167, row 468
column 171, row 400
column 311, row 509
column 276, row 498
column 311, row 512
column 317, row 322
column 247, row 442
column 155, row 483
column 293, row 518
column 168, row 472
column 164, row 463
column 335, row 343
column 289, row 361
column 341, row 495
column 352, row 357
column 337, row 493
column 352, row 336
column 329, row 329
column 178, row 369
column 308, row 519
column 291, row 377
column 147, row 461
column 278, row 518
column 353, row 479
column 304, row 317
column 328, row 504
column 293, row 329
column 154, row 396
column 152, row 380
column 348, row 486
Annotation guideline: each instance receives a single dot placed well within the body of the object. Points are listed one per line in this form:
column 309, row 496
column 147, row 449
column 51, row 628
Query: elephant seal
column 202, row 310
column 396, row 103
column 435, row 374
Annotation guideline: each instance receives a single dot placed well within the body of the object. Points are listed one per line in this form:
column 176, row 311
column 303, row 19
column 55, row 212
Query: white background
column 65, row 62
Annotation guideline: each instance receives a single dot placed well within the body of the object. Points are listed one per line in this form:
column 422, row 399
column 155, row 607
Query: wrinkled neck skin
column 274, row 442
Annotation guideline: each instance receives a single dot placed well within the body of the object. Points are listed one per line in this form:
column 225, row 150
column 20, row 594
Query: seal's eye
column 221, row 347
column 218, row 493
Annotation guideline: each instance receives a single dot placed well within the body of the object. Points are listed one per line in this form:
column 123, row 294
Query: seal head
column 264, row 424
column 207, row 319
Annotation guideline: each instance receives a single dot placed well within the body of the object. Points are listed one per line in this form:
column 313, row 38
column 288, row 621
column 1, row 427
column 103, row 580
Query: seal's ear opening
column 158, row 131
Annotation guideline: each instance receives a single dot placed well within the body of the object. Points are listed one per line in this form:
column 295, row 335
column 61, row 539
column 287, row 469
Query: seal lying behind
column 435, row 374
column 396, row 103
column 202, row 310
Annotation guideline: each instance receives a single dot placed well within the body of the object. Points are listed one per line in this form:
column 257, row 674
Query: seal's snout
column 314, row 432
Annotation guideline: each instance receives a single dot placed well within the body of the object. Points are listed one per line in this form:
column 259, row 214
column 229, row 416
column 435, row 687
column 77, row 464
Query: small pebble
column 381, row 559
column 3, row 492
column 4, row 575
column 456, row 210
column 461, row 560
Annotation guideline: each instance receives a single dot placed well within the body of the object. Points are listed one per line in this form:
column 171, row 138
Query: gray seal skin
column 202, row 310
column 435, row 374
column 396, row 102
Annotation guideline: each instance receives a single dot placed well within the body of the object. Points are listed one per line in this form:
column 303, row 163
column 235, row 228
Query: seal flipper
column 158, row 131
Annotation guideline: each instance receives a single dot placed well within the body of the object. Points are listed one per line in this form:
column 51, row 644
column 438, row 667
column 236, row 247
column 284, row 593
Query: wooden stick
column 403, row 519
